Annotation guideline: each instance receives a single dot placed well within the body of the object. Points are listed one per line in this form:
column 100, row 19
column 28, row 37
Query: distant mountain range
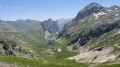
column 27, row 25
column 20, row 25
column 62, row 22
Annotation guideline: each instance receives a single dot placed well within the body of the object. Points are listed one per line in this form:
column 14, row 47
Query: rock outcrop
column 50, row 26
column 10, row 48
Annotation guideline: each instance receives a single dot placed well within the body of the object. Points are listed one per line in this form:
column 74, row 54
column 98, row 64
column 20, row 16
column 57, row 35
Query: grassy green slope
column 22, row 62
column 34, row 42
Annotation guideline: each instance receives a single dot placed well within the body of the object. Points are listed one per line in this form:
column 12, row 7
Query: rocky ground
column 95, row 56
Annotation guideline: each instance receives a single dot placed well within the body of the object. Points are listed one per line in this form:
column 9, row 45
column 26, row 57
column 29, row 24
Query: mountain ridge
column 91, row 39
column 91, row 23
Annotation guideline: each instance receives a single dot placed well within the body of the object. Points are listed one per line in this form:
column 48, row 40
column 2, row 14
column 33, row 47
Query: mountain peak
column 50, row 25
column 94, row 4
column 88, row 10
column 50, row 20
column 115, row 7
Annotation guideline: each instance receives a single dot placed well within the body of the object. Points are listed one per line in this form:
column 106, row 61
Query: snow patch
column 116, row 18
column 116, row 14
column 116, row 8
column 109, row 10
column 99, row 14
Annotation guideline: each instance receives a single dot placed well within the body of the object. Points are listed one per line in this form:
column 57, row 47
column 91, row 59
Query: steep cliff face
column 94, row 27
column 50, row 26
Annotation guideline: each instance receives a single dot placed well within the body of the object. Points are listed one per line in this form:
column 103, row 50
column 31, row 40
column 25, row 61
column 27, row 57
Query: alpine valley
column 91, row 39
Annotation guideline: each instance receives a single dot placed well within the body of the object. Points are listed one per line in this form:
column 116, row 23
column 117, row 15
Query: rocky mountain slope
column 20, row 43
column 10, row 48
column 93, row 30
column 49, row 27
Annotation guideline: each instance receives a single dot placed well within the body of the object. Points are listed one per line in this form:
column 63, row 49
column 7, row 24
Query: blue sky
column 44, row 9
